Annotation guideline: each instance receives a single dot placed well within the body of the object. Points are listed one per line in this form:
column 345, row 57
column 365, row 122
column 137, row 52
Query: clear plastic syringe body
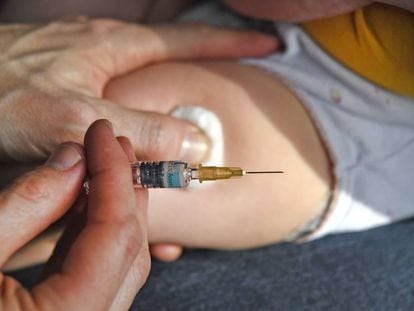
column 177, row 174
column 162, row 174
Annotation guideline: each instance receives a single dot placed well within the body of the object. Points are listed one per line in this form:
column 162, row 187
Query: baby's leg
column 265, row 128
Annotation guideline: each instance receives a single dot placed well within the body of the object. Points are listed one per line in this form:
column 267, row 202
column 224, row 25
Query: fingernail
column 195, row 147
column 65, row 157
column 108, row 124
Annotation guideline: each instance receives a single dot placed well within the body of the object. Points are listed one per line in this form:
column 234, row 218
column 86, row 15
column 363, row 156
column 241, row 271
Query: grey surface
column 372, row 270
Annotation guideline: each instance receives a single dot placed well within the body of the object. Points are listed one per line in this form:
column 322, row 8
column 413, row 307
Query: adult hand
column 52, row 78
column 102, row 259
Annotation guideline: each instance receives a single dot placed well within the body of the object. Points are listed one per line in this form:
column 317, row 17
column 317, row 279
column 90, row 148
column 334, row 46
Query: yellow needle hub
column 217, row 172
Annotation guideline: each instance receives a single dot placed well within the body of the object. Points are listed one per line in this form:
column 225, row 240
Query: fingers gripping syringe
column 178, row 174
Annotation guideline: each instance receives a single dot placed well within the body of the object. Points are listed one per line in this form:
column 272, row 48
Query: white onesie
column 368, row 131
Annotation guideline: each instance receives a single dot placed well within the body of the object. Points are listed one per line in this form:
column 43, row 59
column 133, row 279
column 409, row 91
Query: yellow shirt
column 376, row 41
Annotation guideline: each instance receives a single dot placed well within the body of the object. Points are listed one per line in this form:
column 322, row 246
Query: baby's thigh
column 264, row 128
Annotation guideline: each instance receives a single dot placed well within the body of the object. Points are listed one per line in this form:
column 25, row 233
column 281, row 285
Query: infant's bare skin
column 30, row 11
column 164, row 10
column 304, row 10
column 265, row 127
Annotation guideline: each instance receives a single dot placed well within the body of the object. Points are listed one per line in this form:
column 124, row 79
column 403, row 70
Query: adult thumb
column 157, row 136
column 39, row 198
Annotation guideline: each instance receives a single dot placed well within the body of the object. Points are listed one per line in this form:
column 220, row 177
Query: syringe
column 178, row 174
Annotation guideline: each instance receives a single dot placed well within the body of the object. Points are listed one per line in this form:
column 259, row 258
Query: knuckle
column 96, row 34
column 206, row 37
column 152, row 136
column 103, row 25
column 75, row 116
column 131, row 237
column 80, row 112
column 30, row 188
column 146, row 261
column 143, row 267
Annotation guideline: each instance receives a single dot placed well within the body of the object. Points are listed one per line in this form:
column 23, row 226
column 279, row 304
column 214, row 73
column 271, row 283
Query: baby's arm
column 265, row 127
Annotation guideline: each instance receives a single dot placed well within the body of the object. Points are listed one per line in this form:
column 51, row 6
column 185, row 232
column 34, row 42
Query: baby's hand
column 166, row 252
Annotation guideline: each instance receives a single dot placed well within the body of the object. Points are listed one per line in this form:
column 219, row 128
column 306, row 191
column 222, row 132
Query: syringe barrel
column 163, row 174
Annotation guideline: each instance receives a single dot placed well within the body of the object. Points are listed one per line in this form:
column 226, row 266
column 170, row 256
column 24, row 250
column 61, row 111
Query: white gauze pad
column 210, row 124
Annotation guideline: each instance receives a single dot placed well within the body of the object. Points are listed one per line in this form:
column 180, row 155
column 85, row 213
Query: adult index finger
column 38, row 198
column 140, row 268
column 104, row 251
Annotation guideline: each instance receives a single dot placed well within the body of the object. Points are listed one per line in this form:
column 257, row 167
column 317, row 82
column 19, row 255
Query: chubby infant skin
column 265, row 127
